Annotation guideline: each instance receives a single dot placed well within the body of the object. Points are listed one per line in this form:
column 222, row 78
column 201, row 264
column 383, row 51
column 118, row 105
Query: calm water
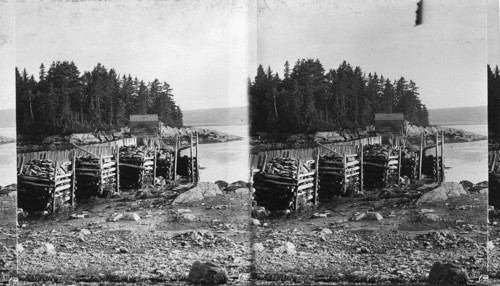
column 467, row 161
column 226, row 161
column 8, row 158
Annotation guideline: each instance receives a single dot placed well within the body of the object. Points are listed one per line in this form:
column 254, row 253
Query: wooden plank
column 306, row 186
column 197, row 160
column 330, row 169
column 36, row 184
column 63, row 182
column 353, row 163
column 302, row 181
column 63, row 187
column 69, row 174
column 399, row 162
column 352, row 175
column 131, row 166
column 344, row 187
column 191, row 156
column 305, row 174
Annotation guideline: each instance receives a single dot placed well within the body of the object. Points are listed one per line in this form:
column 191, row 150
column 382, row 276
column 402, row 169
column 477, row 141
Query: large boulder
column 198, row 193
column 442, row 193
column 207, row 273
column 446, row 274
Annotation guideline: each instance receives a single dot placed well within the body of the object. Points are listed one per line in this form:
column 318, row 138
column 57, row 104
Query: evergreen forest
column 494, row 103
column 307, row 98
column 64, row 101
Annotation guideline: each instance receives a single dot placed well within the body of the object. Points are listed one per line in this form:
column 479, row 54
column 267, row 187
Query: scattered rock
column 326, row 231
column 430, row 217
column 490, row 245
column 131, row 216
column 222, row 184
column 426, row 211
column 117, row 217
column 242, row 191
column 84, row 231
column 447, row 273
column 290, row 248
column 255, row 221
column 46, row 248
column 207, row 273
column 358, row 216
column 442, row 193
column 258, row 247
column 374, row 216
column 19, row 248
column 466, row 184
column 259, row 211
column 186, row 217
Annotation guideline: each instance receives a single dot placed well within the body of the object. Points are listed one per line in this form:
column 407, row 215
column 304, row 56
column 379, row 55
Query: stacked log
column 494, row 178
column 409, row 162
column 380, row 165
column 45, row 185
column 96, row 177
column 136, row 165
column 338, row 174
column 165, row 164
column 285, row 183
column 429, row 168
column 184, row 166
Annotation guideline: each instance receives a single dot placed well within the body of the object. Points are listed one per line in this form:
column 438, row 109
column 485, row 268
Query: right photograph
column 494, row 138
column 369, row 143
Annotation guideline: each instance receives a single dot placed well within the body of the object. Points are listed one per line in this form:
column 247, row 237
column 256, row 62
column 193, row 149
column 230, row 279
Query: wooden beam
column 442, row 154
column 437, row 160
column 420, row 157
column 296, row 203
column 361, row 174
column 197, row 159
column 191, row 155
column 117, row 178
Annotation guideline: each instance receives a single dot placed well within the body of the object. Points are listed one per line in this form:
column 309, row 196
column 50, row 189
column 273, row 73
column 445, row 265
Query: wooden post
column 420, row 157
column 263, row 168
column 101, row 175
column 361, row 168
column 117, row 178
column 387, row 170
column 442, row 154
column 171, row 165
column 345, row 173
column 437, row 158
column 316, row 178
column 176, row 157
column 54, row 190
column 296, row 203
column 154, row 164
column 73, row 179
column 399, row 161
column 197, row 160
column 191, row 155
column 20, row 170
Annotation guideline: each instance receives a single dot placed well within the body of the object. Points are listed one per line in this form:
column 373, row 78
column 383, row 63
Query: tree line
column 494, row 102
column 64, row 101
column 309, row 99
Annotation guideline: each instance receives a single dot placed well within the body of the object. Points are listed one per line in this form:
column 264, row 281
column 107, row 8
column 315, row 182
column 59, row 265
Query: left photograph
column 8, row 259
column 132, row 144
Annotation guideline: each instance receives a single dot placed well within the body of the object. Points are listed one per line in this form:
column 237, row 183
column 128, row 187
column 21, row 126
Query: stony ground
column 494, row 247
column 8, row 260
column 85, row 246
column 400, row 248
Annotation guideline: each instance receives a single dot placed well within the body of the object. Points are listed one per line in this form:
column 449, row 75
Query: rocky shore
column 6, row 140
column 303, row 140
column 60, row 142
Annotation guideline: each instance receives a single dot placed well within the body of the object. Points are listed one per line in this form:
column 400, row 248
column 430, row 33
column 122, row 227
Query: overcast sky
column 493, row 32
column 446, row 55
column 199, row 47
column 206, row 49
column 7, row 55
